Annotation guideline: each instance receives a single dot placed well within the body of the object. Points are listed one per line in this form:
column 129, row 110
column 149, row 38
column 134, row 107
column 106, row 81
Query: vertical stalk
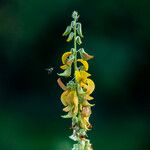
column 75, row 45
column 80, row 142
column 77, row 91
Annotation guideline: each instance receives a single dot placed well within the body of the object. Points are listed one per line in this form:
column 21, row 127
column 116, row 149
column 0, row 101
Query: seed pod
column 71, row 35
column 79, row 29
column 78, row 39
column 67, row 31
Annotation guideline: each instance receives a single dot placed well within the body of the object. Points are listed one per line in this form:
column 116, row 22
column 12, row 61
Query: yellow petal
column 64, row 67
column 91, row 86
column 88, row 97
column 85, row 64
column 84, row 86
column 85, row 123
column 81, row 76
column 75, row 103
column 70, row 97
column 78, row 76
column 66, row 109
column 65, row 56
column 86, row 103
column 64, row 97
column 84, row 75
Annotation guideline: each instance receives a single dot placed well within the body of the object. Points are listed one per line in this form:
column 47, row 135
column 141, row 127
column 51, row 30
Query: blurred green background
column 117, row 33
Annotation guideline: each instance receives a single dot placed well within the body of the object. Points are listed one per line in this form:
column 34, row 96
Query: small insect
column 49, row 70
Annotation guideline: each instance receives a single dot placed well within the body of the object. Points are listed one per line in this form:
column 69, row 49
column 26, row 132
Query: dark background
column 117, row 33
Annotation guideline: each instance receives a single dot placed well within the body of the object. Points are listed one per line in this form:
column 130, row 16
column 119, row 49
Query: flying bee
column 49, row 70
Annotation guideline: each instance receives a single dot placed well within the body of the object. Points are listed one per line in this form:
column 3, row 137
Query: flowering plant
column 77, row 92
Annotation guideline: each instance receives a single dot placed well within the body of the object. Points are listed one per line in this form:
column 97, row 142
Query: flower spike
column 76, row 96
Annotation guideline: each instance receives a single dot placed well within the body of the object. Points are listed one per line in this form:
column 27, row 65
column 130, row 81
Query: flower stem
column 77, row 129
column 75, row 45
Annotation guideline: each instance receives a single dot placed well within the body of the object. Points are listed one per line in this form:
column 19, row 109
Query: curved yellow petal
column 81, row 76
column 84, row 86
column 70, row 97
column 91, row 86
column 84, row 75
column 66, row 109
column 86, row 103
column 64, row 67
column 85, row 124
column 64, row 97
column 75, row 103
column 88, row 97
column 85, row 64
column 78, row 76
column 65, row 56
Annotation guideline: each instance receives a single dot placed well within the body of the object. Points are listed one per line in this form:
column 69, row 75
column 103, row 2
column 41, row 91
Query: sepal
column 66, row 73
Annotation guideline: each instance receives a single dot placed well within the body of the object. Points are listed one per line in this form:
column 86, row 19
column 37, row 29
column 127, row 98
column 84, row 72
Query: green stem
column 82, row 143
column 75, row 46
column 76, row 68
column 75, row 59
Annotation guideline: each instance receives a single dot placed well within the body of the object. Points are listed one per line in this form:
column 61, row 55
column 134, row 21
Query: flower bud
column 79, row 29
column 67, row 31
column 78, row 39
column 75, row 15
column 71, row 35
column 84, row 55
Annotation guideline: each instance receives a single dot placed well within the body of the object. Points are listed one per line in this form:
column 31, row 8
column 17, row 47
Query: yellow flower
column 86, row 87
column 89, row 86
column 85, row 115
column 65, row 61
column 86, row 83
column 69, row 99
